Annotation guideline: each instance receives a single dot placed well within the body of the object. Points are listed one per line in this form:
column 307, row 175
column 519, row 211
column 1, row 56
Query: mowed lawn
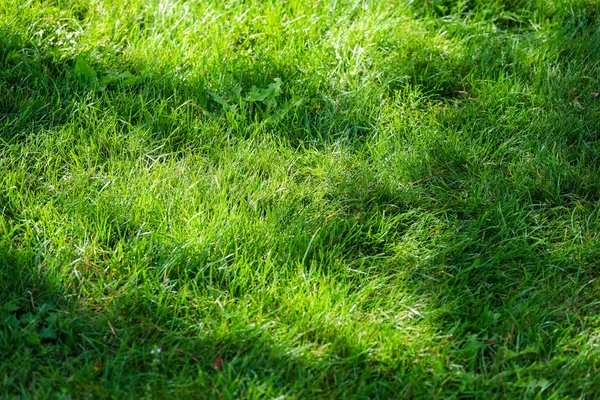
column 299, row 199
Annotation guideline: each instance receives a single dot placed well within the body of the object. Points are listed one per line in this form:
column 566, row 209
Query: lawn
column 299, row 199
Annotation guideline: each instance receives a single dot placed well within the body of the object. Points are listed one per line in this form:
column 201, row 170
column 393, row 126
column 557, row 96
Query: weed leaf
column 85, row 70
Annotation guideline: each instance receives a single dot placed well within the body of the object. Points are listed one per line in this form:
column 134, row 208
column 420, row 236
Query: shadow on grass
column 56, row 343
column 41, row 90
column 56, row 339
column 504, row 291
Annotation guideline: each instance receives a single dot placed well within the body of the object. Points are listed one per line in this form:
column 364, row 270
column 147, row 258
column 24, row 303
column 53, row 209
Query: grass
column 300, row 199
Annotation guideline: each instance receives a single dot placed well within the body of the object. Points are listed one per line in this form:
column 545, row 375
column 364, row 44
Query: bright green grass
column 339, row 198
